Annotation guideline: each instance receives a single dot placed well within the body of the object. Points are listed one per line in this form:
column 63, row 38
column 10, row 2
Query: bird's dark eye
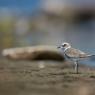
column 64, row 45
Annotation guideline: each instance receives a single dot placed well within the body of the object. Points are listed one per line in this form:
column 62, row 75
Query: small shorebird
column 73, row 54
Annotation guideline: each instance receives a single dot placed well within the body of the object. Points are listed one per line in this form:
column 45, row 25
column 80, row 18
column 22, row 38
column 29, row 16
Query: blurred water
column 19, row 28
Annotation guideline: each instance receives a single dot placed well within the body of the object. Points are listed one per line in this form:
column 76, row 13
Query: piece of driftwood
column 33, row 53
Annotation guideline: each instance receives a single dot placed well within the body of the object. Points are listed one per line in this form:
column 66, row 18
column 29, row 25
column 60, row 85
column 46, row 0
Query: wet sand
column 53, row 78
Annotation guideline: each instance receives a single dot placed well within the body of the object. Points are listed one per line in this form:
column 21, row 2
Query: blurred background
column 48, row 22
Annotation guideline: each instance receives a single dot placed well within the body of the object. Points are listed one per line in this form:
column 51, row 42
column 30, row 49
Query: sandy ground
column 45, row 78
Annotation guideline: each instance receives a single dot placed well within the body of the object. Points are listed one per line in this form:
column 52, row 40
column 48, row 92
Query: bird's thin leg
column 76, row 67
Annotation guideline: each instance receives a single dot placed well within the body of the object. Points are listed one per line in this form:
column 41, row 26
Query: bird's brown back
column 71, row 52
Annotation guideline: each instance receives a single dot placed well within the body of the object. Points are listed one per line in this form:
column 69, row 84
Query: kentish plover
column 73, row 54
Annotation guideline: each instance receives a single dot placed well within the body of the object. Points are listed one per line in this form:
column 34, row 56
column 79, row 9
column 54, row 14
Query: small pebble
column 41, row 65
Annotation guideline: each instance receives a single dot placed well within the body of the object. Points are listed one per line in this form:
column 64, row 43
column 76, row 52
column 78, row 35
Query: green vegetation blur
column 9, row 30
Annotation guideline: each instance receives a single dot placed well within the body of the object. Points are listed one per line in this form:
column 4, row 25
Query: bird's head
column 64, row 46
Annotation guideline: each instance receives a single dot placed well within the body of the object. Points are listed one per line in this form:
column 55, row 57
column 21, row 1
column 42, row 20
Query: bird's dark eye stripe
column 64, row 45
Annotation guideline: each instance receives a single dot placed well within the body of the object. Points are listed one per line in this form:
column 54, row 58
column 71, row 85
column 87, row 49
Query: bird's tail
column 86, row 56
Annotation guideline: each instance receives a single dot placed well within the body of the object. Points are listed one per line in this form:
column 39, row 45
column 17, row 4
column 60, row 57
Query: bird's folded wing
column 71, row 52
